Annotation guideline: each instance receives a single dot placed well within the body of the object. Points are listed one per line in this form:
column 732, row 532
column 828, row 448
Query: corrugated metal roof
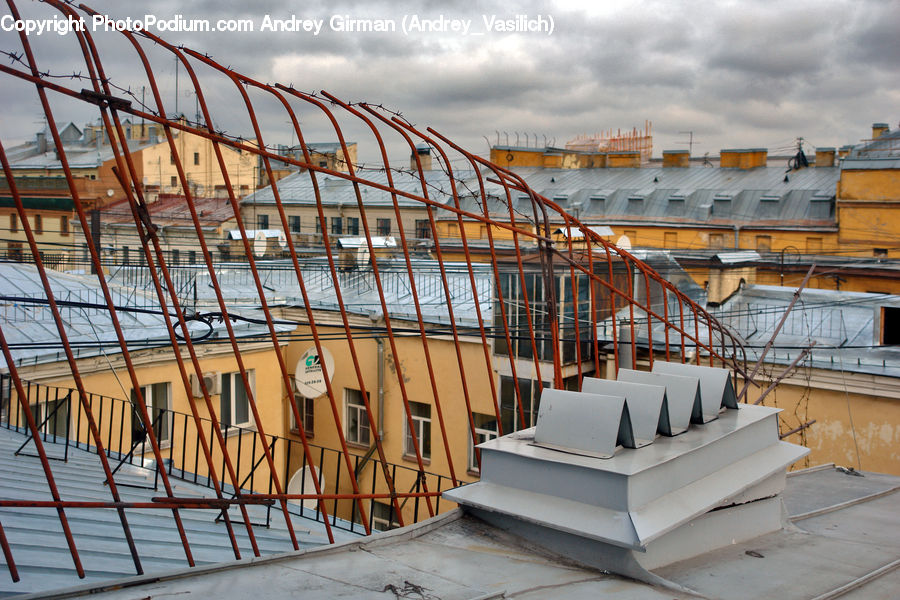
column 297, row 188
column 39, row 546
column 32, row 332
column 358, row 287
column 698, row 186
column 883, row 152
column 79, row 155
column 841, row 323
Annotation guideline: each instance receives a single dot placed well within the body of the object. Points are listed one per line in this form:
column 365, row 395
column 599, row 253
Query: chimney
column 879, row 129
column 632, row 475
column 845, row 150
column 673, row 159
column 424, row 153
column 825, row 157
column 624, row 159
column 743, row 158
column 41, row 142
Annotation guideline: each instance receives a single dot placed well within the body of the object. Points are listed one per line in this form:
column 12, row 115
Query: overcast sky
column 736, row 74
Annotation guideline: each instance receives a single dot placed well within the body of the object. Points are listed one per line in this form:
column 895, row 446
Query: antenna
column 690, row 142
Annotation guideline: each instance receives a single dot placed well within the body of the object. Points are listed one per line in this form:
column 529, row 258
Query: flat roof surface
column 845, row 533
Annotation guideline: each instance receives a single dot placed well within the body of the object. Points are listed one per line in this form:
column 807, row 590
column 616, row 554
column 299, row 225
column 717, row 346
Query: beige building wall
column 200, row 165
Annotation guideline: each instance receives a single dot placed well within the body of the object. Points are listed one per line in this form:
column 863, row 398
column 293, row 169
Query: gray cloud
column 737, row 74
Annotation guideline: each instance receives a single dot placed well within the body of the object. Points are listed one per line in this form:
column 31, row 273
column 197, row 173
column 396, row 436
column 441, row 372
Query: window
column 262, row 221
column 337, row 225
column 485, row 429
column 530, row 395
column 423, row 229
column 356, row 420
column 813, row 244
column 890, row 325
column 383, row 516
column 598, row 205
column 318, row 226
column 176, row 255
column 156, row 399
column 38, row 224
column 721, row 206
column 294, row 223
column 234, row 400
column 192, row 257
column 64, row 225
column 352, row 225
column 15, row 251
column 717, row 240
column 764, row 243
column 383, row 226
column 676, row 207
column 879, row 252
column 171, row 158
column 125, row 252
column 51, row 417
column 421, row 418
column 307, row 413
column 13, row 223
column 769, row 207
column 196, row 158
column 670, row 239
column 174, row 181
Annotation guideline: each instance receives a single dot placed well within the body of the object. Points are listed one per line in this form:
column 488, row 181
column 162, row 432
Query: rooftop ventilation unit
column 594, row 482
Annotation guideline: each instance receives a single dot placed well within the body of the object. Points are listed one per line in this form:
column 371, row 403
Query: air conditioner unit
column 210, row 380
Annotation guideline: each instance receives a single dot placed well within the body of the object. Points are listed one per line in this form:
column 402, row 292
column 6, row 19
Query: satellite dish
column 302, row 482
column 259, row 243
column 624, row 243
column 282, row 239
column 308, row 376
column 110, row 192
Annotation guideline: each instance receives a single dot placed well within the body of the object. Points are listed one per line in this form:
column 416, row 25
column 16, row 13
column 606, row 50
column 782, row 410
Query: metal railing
column 61, row 420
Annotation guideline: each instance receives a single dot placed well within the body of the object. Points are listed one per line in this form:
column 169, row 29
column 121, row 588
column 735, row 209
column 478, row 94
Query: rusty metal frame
column 590, row 266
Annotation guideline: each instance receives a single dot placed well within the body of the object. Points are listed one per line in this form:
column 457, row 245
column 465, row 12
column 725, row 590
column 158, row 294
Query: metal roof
column 882, row 152
column 297, row 188
column 39, row 546
column 836, row 516
column 358, row 287
column 601, row 194
column 842, row 324
column 172, row 210
column 80, row 155
column 32, row 333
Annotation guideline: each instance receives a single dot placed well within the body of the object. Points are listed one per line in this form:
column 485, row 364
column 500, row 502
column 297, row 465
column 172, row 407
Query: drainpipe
column 737, row 239
column 380, row 343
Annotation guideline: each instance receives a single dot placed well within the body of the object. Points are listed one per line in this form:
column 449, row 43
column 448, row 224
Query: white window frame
column 482, row 435
column 419, row 423
column 381, row 523
column 355, row 408
column 306, row 407
column 234, row 378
